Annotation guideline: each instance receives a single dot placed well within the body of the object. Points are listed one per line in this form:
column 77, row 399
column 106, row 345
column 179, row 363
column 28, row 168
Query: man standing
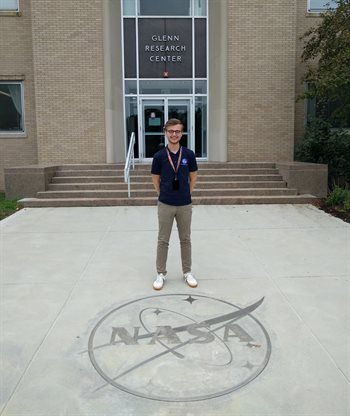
column 174, row 175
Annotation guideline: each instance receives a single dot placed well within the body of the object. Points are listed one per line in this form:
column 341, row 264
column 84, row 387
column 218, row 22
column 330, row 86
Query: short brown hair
column 173, row 122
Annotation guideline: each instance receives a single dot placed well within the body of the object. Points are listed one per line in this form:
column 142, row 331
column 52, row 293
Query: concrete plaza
column 76, row 283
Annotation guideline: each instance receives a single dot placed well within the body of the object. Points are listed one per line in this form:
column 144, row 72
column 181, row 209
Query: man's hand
column 156, row 183
column 193, row 180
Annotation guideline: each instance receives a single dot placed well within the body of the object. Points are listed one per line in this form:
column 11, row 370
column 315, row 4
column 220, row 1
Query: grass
column 7, row 206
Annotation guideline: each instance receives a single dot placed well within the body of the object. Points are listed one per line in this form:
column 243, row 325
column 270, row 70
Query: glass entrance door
column 155, row 113
column 152, row 125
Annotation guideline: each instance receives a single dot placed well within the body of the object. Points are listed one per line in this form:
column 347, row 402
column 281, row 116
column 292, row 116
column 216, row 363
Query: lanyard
column 171, row 161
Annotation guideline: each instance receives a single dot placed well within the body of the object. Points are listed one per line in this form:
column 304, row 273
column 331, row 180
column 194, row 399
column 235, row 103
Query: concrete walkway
column 265, row 333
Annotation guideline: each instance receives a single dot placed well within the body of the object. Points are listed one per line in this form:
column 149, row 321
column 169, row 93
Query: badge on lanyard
column 176, row 182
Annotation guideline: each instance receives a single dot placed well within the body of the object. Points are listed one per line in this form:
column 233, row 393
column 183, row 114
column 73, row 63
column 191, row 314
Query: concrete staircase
column 218, row 184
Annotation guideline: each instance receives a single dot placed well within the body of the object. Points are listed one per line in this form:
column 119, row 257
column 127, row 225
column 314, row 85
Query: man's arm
column 156, row 183
column 193, row 180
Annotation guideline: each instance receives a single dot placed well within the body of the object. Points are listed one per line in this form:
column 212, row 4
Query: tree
column 327, row 55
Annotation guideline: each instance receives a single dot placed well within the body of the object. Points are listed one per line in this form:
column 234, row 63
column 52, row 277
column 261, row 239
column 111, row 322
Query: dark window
column 130, row 48
column 11, row 118
column 200, row 48
column 165, row 7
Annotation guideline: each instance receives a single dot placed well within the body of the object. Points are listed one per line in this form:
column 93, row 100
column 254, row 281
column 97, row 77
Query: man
column 174, row 175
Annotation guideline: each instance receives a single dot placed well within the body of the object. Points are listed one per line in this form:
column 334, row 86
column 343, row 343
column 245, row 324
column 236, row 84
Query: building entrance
column 165, row 72
column 155, row 113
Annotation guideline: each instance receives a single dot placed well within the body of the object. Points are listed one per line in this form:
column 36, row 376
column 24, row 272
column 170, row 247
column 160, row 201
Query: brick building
column 76, row 77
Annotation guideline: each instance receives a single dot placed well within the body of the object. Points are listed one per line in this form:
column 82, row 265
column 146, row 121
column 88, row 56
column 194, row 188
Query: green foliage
column 339, row 197
column 327, row 55
column 322, row 145
column 347, row 205
column 7, row 207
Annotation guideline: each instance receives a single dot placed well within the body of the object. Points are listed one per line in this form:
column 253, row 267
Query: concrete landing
column 265, row 333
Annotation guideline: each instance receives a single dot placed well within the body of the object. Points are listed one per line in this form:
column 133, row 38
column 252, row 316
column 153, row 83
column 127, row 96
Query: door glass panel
column 180, row 109
column 166, row 87
column 153, row 124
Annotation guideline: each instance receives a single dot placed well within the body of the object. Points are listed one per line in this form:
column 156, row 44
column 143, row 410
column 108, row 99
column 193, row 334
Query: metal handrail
column 129, row 158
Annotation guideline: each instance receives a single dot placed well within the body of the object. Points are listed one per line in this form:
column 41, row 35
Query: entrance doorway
column 155, row 113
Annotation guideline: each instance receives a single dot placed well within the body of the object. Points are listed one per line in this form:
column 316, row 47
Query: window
column 318, row 6
column 11, row 107
column 9, row 5
column 164, row 7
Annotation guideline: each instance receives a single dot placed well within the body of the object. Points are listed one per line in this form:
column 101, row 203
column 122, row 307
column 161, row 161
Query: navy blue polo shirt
column 161, row 166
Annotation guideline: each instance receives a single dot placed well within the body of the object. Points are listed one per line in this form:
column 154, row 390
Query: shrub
column 338, row 196
column 321, row 144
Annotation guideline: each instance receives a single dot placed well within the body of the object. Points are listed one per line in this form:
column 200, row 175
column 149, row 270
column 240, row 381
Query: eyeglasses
column 177, row 132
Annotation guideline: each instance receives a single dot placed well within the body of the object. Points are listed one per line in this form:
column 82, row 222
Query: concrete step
column 240, row 200
column 87, row 179
column 151, row 193
column 203, row 184
column 92, row 172
column 233, row 172
column 147, row 178
column 147, row 166
column 92, row 166
column 96, row 186
column 148, row 185
column 218, row 183
column 220, row 165
column 139, row 172
column 85, row 202
column 230, row 200
column 237, row 165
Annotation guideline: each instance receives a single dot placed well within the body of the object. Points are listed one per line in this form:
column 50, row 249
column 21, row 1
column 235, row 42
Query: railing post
column 129, row 158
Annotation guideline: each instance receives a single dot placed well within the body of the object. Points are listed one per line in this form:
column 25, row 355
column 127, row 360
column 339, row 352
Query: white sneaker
column 159, row 282
column 190, row 279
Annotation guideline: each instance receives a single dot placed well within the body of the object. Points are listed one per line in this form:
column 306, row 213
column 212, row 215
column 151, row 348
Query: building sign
column 165, row 47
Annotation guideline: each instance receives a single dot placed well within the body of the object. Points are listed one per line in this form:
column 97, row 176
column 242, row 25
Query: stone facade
column 261, row 62
column 58, row 48
column 69, row 86
column 16, row 64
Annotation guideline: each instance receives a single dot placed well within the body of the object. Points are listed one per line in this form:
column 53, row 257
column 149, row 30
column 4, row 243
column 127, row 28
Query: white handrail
column 129, row 158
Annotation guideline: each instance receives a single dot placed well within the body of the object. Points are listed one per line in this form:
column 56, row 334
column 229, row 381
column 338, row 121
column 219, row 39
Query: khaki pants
column 183, row 216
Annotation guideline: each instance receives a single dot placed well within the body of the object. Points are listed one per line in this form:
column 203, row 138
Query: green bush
column 321, row 144
column 347, row 206
column 339, row 197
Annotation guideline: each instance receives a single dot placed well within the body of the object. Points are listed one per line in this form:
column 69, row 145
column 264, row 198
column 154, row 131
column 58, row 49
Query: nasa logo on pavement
column 179, row 347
